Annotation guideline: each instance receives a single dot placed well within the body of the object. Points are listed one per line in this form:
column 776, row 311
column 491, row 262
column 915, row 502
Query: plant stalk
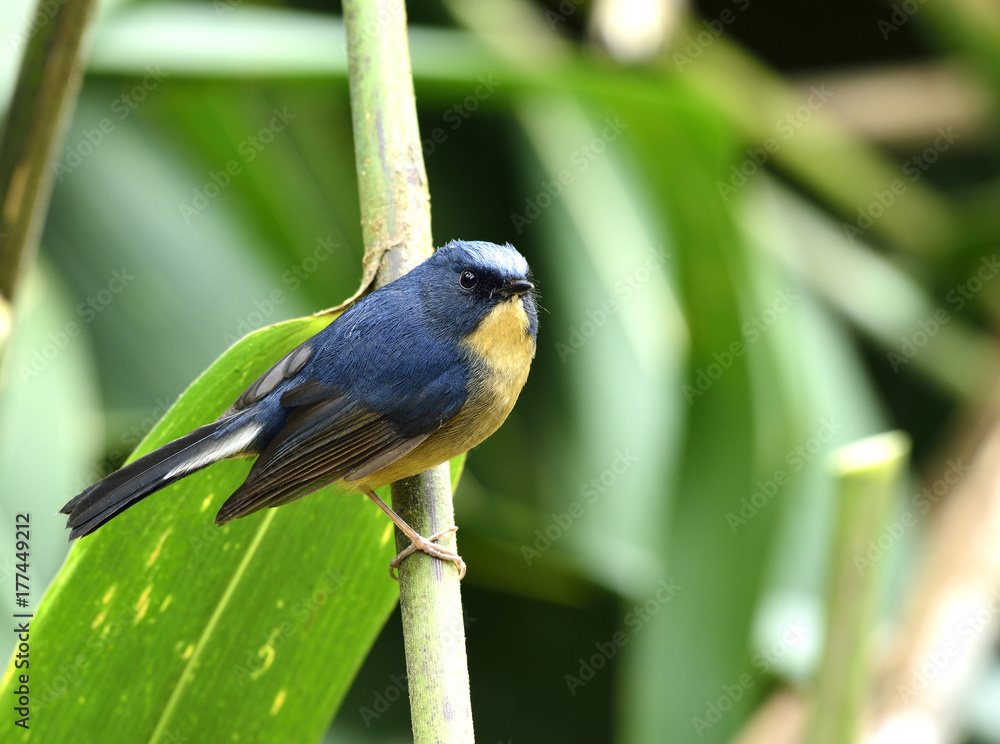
column 47, row 86
column 868, row 476
column 395, row 215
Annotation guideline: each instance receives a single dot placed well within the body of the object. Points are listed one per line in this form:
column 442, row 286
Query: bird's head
column 474, row 286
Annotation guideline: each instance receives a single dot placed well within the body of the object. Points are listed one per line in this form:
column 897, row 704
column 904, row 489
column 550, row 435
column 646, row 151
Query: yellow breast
column 503, row 347
column 502, row 343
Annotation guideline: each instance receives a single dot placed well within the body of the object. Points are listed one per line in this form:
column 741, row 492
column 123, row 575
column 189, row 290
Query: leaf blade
column 255, row 629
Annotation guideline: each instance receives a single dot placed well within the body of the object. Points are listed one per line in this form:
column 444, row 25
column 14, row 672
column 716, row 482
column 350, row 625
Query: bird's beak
column 517, row 287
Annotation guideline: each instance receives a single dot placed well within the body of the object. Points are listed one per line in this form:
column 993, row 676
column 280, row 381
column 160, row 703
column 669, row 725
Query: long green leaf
column 162, row 626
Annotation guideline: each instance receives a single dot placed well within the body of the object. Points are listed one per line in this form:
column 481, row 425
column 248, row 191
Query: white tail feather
column 227, row 446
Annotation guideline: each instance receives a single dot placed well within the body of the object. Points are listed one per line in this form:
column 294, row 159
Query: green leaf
column 716, row 573
column 164, row 626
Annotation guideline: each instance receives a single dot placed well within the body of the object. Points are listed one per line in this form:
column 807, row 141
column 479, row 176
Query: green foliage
column 654, row 516
column 173, row 628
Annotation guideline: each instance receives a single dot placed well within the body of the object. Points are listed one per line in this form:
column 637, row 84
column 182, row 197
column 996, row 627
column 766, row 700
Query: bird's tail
column 114, row 494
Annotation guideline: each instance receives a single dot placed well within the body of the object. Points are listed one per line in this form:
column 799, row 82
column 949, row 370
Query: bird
column 413, row 374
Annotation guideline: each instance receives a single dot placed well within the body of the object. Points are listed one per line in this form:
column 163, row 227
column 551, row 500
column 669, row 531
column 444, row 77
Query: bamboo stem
column 868, row 475
column 395, row 213
column 47, row 85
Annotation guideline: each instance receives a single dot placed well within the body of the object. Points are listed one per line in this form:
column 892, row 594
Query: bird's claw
column 429, row 545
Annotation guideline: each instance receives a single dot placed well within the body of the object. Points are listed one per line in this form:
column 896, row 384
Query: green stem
column 868, row 474
column 395, row 213
column 47, row 85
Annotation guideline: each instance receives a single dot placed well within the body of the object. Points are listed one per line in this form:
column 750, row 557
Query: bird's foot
column 429, row 545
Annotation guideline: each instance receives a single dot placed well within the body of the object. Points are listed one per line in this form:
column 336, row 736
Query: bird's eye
column 468, row 279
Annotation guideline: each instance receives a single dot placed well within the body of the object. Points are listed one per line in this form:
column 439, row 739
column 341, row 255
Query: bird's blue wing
column 382, row 355
column 373, row 386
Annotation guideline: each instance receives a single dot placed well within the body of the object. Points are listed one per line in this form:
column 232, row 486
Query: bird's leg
column 417, row 542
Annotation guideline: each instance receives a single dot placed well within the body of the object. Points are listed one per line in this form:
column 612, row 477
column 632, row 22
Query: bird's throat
column 502, row 342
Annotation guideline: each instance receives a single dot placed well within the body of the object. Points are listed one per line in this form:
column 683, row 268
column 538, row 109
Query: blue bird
column 412, row 375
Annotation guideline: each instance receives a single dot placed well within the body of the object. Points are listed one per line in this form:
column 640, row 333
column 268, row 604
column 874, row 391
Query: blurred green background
column 760, row 230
